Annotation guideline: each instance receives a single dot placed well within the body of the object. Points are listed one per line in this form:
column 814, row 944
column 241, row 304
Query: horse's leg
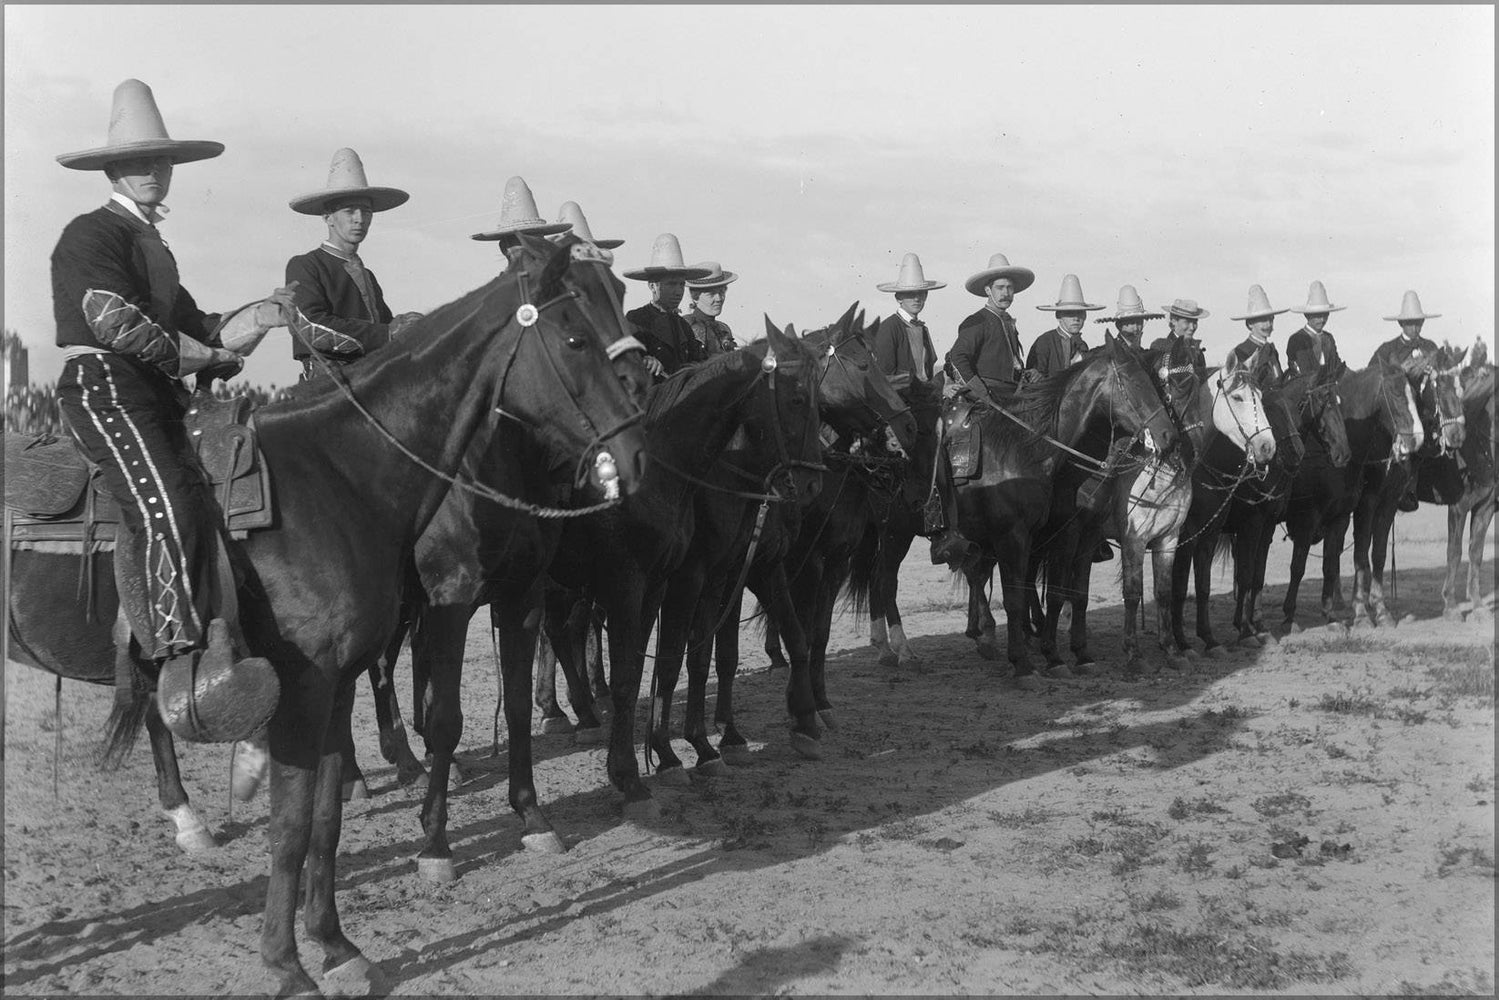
column 572, row 655
column 1082, row 578
column 438, row 644
column 677, row 611
column 1163, row 566
column 711, row 604
column 800, row 703
column 732, row 746
column 1261, row 560
column 517, row 617
column 631, row 613
column 1243, row 546
column 1379, row 546
column 1457, row 517
column 1300, row 548
column 193, row 835
column 1014, row 553
column 1181, row 574
column 554, row 722
column 894, row 553
column 980, row 618
column 395, row 746
column 1202, row 579
column 1363, row 537
column 1478, row 533
column 1058, row 582
column 1332, row 565
column 773, row 641
column 815, row 598
column 345, row 970
column 352, row 786
column 598, row 681
column 1132, row 585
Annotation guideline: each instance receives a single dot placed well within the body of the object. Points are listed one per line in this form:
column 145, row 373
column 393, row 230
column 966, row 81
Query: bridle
column 1262, row 420
column 1430, row 377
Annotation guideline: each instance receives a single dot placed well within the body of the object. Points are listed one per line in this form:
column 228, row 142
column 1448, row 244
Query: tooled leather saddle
column 54, row 494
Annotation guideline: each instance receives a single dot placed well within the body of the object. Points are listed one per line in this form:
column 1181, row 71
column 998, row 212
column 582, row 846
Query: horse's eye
column 577, row 341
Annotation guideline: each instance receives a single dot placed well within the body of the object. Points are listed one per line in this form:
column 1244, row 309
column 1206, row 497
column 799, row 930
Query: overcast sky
column 1189, row 151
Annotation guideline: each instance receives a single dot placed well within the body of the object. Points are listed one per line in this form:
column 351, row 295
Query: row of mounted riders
column 778, row 466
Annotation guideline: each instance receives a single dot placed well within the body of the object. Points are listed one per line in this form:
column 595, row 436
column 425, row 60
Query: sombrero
column 136, row 130
column 717, row 277
column 667, row 264
column 572, row 214
column 346, row 180
column 999, row 267
column 518, row 215
column 1411, row 309
column 1187, row 309
column 1259, row 306
column 911, row 278
column 1316, row 301
column 1070, row 298
column 1129, row 307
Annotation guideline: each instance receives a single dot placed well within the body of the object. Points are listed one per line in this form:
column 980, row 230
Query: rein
column 527, row 316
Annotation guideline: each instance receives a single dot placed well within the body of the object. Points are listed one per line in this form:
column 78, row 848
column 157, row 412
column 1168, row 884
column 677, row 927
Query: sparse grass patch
column 1477, row 984
column 1031, row 816
column 1479, row 783
column 1271, row 806
column 1466, row 677
column 1182, row 809
column 1196, row 859
column 1453, row 856
column 1200, row 959
column 741, row 832
column 1158, row 900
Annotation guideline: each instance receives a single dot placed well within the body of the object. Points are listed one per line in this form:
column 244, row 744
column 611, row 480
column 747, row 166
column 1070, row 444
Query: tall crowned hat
column 136, row 130
column 667, row 263
column 717, row 277
column 1070, row 298
column 999, row 267
column 518, row 215
column 1259, row 306
column 572, row 214
column 911, row 278
column 1316, row 301
column 1410, row 308
column 346, row 180
column 1129, row 307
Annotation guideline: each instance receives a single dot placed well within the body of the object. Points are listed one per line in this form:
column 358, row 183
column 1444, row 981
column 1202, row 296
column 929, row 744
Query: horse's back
column 51, row 628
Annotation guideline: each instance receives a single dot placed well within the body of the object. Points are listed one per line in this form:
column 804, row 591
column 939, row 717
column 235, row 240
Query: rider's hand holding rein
column 243, row 331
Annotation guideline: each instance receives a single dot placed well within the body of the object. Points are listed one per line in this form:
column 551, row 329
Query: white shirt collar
column 335, row 251
column 160, row 211
column 910, row 320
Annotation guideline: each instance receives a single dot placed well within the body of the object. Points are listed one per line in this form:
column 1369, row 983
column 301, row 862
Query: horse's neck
column 1369, row 421
column 1200, row 413
column 1069, row 424
column 693, row 431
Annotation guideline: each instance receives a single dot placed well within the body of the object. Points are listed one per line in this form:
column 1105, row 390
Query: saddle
column 54, row 494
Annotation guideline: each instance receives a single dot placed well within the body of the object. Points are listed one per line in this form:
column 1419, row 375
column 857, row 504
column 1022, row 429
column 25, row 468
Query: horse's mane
column 668, row 395
column 1036, row 404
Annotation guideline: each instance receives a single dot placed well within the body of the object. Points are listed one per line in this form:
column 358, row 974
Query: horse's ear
column 1231, row 363
column 558, row 260
column 770, row 327
column 791, row 329
column 844, row 321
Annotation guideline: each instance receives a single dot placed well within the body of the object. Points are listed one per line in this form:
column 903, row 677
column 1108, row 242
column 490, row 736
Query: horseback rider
column 1259, row 318
column 985, row 360
column 518, row 217
column 335, row 291
column 130, row 334
column 1313, row 347
column 1129, row 317
column 1407, row 349
column 1059, row 347
column 708, row 296
column 670, row 344
column 1183, row 316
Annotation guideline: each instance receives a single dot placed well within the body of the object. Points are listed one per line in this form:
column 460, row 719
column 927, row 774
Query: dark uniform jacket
column 1054, row 351
column 1400, row 350
column 891, row 348
column 348, row 325
column 715, row 336
column 1199, row 357
column 666, row 337
column 115, row 286
column 988, row 346
column 1245, row 350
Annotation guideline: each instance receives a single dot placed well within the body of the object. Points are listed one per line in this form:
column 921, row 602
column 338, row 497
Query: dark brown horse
column 1075, row 414
column 361, row 465
column 624, row 558
column 1475, row 498
column 1379, row 416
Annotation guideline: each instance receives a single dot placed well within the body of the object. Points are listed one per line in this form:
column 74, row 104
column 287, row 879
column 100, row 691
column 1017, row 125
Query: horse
column 322, row 583
column 1075, row 413
column 1476, row 500
column 854, row 400
column 624, row 558
column 1308, row 425
column 1439, row 404
column 1382, row 425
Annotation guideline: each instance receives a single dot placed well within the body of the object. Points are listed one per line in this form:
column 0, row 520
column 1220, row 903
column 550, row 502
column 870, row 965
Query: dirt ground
column 1314, row 816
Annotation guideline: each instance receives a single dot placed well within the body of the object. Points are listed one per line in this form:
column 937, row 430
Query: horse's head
column 1321, row 411
column 1437, row 383
column 781, row 420
column 1239, row 411
column 1113, row 381
column 1398, row 413
column 853, row 397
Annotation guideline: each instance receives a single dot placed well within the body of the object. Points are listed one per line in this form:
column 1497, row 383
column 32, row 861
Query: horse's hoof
column 1268, row 639
column 1453, row 614
column 806, row 746
column 825, row 717
column 197, row 841
column 1480, row 615
column 1028, row 682
column 1406, row 619
column 591, row 737
column 641, row 810
column 438, row 871
column 674, row 776
column 735, row 754
column 889, row 658
column 1249, row 641
column 989, row 650
column 358, row 977
column 543, row 843
column 713, row 768
column 248, row 770
column 1217, row 652
column 356, row 790
column 1292, row 628
column 556, row 726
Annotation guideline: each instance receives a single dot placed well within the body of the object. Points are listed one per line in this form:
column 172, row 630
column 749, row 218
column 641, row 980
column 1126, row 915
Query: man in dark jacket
column 1259, row 318
column 1313, row 346
column 1056, row 349
column 1410, row 344
column 340, row 297
column 669, row 342
column 130, row 334
column 1183, row 317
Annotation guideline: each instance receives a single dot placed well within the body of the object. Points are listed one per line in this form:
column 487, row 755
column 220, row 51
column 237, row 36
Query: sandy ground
column 1316, row 816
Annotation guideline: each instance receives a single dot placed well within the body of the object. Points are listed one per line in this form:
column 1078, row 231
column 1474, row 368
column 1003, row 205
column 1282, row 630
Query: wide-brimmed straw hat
column 572, row 214
column 1410, row 308
column 1259, row 306
column 717, row 277
column 1316, row 301
column 999, row 267
column 346, row 180
column 136, row 130
column 518, row 215
column 667, row 263
column 911, row 278
column 1070, row 298
column 1129, row 307
column 1187, row 309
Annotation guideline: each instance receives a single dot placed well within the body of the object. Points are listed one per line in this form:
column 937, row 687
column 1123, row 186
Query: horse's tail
column 1035, row 613
column 862, row 568
column 1223, row 552
column 134, row 701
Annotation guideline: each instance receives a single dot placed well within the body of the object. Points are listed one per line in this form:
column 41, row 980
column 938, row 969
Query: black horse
column 361, row 464
column 1475, row 497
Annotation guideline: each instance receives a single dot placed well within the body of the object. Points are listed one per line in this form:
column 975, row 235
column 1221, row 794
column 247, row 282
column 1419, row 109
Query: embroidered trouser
column 128, row 420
